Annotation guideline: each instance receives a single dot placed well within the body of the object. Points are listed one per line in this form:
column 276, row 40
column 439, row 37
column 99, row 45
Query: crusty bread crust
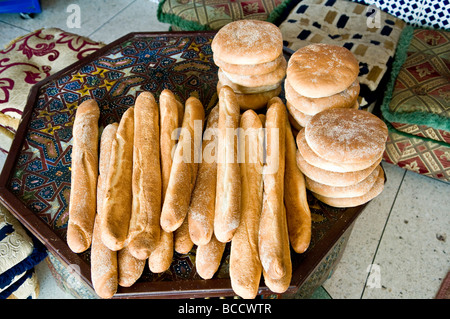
column 319, row 70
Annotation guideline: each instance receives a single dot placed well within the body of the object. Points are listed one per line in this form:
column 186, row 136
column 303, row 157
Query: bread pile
column 148, row 191
column 320, row 77
column 249, row 54
column 339, row 152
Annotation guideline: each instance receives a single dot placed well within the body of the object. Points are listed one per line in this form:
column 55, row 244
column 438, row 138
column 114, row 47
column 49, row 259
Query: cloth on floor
column 347, row 24
column 416, row 104
column 28, row 60
column 19, row 253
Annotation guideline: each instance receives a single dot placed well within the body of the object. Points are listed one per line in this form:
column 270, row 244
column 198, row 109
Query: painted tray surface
column 35, row 183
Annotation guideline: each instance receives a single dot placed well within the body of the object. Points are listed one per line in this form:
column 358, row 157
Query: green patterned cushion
column 194, row 15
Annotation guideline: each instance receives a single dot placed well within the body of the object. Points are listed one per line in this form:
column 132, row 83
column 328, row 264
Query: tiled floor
column 398, row 247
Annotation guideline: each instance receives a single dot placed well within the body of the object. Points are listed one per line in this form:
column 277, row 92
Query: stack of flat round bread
column 249, row 54
column 320, row 77
column 339, row 152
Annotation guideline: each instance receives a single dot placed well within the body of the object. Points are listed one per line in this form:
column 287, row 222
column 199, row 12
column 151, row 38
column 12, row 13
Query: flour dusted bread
column 320, row 70
column 118, row 189
column 130, row 267
column 104, row 269
column 184, row 167
column 263, row 82
column 298, row 214
column 171, row 112
column 281, row 284
column 249, row 69
column 245, row 264
column 208, row 257
column 202, row 206
column 143, row 233
column 161, row 258
column 315, row 160
column 272, row 225
column 312, row 106
column 228, row 187
column 82, row 207
column 376, row 189
column 248, row 42
column 249, row 54
column 332, row 178
column 346, row 135
column 353, row 190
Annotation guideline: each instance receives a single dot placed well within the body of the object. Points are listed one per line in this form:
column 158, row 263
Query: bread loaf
column 184, row 167
column 208, row 258
column 376, row 190
column 228, row 189
column 171, row 118
column 249, row 69
column 319, row 70
column 248, row 42
column 271, row 227
column 202, row 206
column 118, row 190
column 245, row 265
column 182, row 239
column 104, row 272
column 130, row 268
column 280, row 285
column 161, row 258
column 143, row 233
column 298, row 214
column 84, row 170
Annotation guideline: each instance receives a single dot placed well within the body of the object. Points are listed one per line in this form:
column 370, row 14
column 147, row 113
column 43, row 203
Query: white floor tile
column 9, row 33
column 59, row 14
column 48, row 288
column 140, row 16
column 349, row 278
column 413, row 255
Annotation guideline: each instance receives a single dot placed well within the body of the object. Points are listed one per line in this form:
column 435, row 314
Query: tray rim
column 156, row 289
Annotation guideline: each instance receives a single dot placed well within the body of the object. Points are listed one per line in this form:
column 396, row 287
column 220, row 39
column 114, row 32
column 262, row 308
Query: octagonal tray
column 35, row 182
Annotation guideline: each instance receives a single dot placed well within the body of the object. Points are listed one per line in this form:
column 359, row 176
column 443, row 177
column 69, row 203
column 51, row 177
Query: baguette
column 280, row 285
column 228, row 187
column 208, row 257
column 271, row 228
column 118, row 190
column 245, row 265
column 184, row 167
column 130, row 268
column 143, row 233
column 83, row 201
column 202, row 206
column 104, row 272
column 171, row 117
column 161, row 258
column 104, row 269
column 298, row 213
column 182, row 240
